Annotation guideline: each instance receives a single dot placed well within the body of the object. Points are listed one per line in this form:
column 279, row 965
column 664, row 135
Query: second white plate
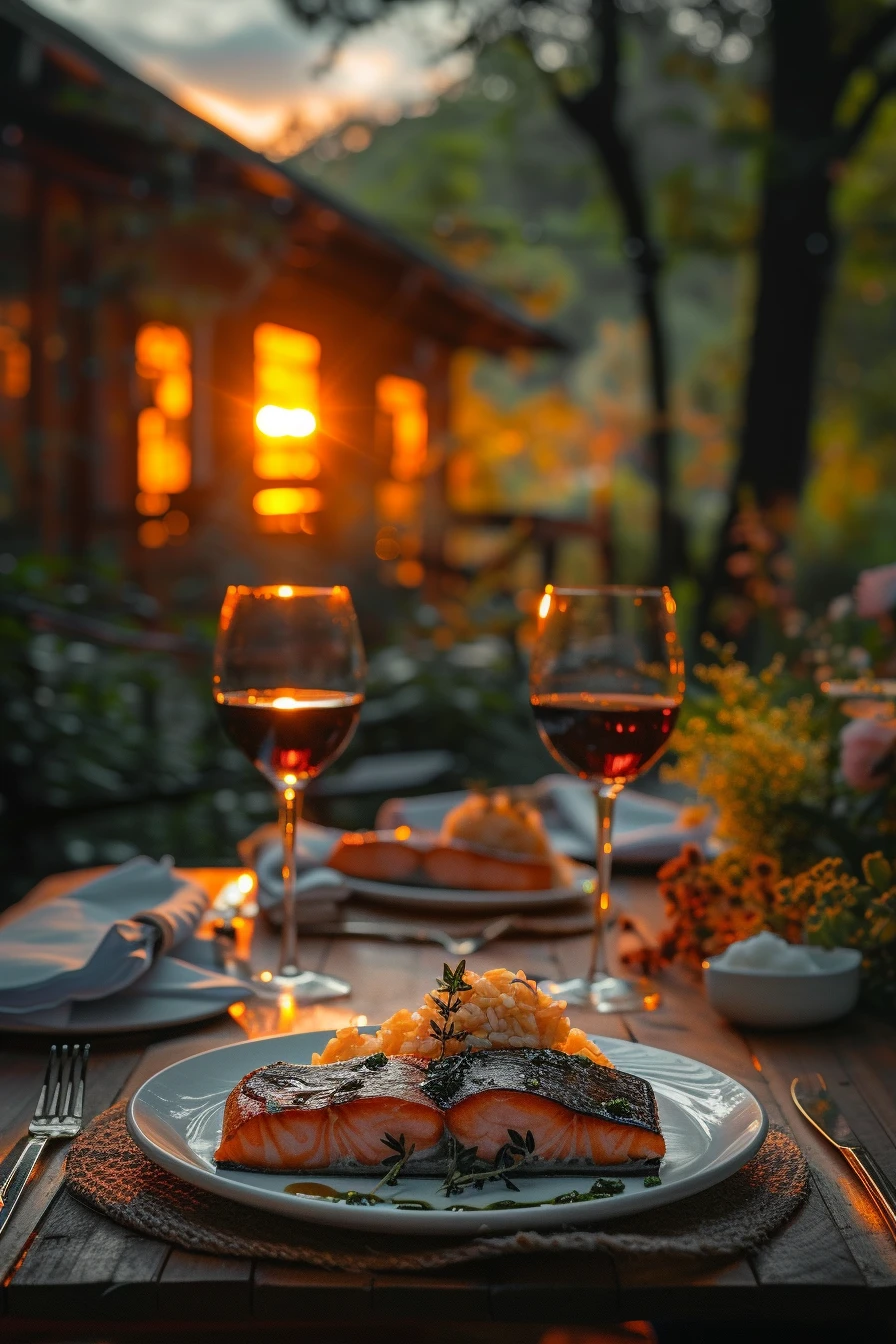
column 453, row 898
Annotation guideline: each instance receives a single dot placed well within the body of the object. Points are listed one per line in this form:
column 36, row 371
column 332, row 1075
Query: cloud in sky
column 244, row 65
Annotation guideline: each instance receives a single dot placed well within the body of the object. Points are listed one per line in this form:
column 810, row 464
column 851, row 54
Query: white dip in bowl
column 766, row 982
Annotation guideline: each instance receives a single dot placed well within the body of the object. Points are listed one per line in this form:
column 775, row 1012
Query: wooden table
column 69, row 1273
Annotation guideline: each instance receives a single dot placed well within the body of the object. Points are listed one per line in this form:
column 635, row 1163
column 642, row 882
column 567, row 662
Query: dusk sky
column 246, row 66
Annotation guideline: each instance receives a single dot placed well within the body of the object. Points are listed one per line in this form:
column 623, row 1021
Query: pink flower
column 875, row 591
column 866, row 753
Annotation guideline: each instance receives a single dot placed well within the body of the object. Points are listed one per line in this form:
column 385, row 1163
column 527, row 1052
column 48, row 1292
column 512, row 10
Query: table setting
column 317, row 1092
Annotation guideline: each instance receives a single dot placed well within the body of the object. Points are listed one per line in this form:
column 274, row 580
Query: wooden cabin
column 209, row 369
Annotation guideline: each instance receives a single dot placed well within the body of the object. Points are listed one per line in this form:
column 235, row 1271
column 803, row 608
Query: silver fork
column 58, row 1115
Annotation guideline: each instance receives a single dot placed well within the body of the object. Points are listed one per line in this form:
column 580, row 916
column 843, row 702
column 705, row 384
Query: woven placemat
column 107, row 1170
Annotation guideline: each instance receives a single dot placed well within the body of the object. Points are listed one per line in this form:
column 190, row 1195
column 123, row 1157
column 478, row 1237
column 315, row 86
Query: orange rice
column 500, row 1011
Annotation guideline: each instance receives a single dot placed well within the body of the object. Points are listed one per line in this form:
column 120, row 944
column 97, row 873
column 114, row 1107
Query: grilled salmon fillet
column 326, row 1117
column 334, row 1117
column 580, row 1114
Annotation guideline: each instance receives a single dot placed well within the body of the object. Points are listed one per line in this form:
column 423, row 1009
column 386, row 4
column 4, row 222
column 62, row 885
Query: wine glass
column 606, row 684
column 288, row 685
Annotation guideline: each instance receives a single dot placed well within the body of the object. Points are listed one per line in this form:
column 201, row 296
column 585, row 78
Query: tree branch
column 865, row 46
column 886, row 84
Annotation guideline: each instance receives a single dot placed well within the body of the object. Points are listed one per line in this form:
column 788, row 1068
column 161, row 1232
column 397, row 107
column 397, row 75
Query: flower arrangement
column 713, row 903
column 799, row 762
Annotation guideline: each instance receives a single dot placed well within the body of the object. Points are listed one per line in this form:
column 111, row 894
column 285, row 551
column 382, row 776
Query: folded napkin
column 317, row 902
column 646, row 829
column 97, row 940
column 169, row 985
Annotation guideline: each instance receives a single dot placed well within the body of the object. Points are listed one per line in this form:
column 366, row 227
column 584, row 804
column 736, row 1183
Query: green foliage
column 839, row 909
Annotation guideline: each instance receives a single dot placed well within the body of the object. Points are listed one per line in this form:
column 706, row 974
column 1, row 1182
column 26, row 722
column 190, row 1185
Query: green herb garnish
column 404, row 1155
column 452, row 985
column 467, row 1168
column 651, row 1181
column 618, row 1106
column 608, row 1185
column 371, row 1062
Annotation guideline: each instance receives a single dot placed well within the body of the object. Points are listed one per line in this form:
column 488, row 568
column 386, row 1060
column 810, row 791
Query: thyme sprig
column 467, row 1168
column 404, row 1155
column 452, row 985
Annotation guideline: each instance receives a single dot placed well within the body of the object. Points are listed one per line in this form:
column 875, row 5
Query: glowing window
column 286, row 403
column 404, row 401
column 15, row 355
column 401, row 404
column 164, row 462
column 288, row 500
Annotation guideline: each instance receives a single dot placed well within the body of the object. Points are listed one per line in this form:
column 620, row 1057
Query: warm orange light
column 286, row 400
column 288, row 500
column 163, row 457
column 15, row 364
column 284, row 590
column 152, row 534
column 161, row 347
column 163, row 466
column 544, row 605
column 246, row 883
column 409, row 573
column 276, row 463
column 150, row 505
column 177, row 523
column 278, row 422
column 402, row 832
column 286, row 702
column 174, row 394
column 387, row 548
column 404, row 400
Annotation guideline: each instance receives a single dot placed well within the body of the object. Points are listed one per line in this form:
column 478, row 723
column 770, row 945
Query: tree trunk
column 595, row 114
column 795, row 261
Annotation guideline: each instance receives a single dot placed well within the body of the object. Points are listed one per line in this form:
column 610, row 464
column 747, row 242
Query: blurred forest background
column 112, row 749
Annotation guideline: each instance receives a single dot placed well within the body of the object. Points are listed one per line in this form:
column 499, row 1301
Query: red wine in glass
column 605, row 684
column 288, row 687
column 290, row 735
column 605, row 736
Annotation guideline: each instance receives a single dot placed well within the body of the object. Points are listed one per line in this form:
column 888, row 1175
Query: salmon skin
column 331, row 1117
column 582, row 1116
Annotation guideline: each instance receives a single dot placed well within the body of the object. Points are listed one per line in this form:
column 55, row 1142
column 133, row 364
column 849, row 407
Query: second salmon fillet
column 581, row 1115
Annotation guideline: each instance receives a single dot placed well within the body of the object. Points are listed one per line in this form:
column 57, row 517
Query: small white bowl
column 759, row 998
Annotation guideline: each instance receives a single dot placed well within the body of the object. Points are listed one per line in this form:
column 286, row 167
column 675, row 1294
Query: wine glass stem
column 605, row 798
column 290, row 813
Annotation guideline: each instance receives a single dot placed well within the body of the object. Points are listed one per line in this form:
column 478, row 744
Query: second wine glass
column 288, row 686
column 606, row 684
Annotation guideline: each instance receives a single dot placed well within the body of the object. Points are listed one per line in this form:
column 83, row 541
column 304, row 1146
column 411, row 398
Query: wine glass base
column 303, row 986
column 607, row 994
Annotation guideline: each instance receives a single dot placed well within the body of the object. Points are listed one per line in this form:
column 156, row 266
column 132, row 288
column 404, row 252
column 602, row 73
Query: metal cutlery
column 58, row 1115
column 813, row 1100
column 412, row 933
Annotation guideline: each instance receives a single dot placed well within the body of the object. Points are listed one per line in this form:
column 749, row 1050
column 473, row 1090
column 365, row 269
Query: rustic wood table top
column 68, row 1273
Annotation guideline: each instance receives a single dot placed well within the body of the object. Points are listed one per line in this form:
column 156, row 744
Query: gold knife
column 812, row 1098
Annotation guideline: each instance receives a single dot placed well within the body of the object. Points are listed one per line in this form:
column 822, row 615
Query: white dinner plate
column 454, row 898
column 118, row 1015
column 711, row 1123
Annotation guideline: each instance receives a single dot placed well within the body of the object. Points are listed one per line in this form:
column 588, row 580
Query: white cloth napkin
column 316, row 903
column 646, row 829
column 96, row 940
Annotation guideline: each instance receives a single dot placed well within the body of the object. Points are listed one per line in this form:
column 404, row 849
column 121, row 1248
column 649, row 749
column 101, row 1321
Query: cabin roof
column 141, row 122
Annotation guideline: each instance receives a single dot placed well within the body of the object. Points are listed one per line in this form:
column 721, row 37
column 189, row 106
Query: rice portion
column 500, row 1011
